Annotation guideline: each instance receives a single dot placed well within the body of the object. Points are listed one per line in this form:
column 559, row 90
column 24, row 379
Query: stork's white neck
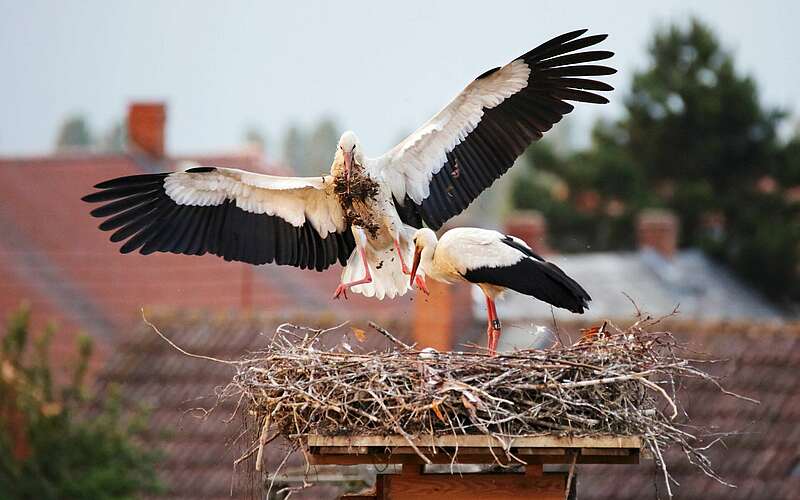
column 426, row 258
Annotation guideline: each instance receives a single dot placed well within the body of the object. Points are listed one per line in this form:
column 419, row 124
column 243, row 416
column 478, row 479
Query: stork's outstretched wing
column 443, row 166
column 232, row 213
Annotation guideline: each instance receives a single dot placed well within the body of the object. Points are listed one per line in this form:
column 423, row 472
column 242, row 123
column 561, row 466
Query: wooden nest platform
column 473, row 449
column 530, row 481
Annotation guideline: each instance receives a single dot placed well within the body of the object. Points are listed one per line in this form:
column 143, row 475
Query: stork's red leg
column 406, row 270
column 493, row 329
column 342, row 288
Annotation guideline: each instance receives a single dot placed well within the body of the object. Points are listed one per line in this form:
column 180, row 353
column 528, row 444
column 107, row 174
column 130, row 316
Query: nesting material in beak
column 417, row 255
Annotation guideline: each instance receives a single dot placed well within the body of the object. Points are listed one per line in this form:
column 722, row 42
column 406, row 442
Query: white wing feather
column 293, row 199
column 408, row 167
column 468, row 248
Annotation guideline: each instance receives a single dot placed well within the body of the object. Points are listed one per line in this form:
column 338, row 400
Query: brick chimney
column 146, row 124
column 442, row 317
column 658, row 230
column 530, row 226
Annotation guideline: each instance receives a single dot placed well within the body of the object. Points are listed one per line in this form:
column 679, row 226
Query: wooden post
column 486, row 486
column 414, row 482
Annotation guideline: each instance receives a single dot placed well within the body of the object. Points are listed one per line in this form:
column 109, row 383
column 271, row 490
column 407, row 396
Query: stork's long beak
column 417, row 255
column 348, row 166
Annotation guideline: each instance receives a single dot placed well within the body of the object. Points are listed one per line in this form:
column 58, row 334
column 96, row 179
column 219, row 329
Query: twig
column 570, row 475
column 262, row 440
column 389, row 336
column 175, row 346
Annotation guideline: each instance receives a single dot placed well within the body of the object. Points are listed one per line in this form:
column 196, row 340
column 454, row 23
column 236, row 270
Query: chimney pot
column 433, row 317
column 531, row 227
column 146, row 124
column 658, row 230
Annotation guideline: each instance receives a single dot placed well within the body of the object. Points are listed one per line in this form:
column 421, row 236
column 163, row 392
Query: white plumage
column 409, row 166
column 495, row 262
column 429, row 177
column 294, row 199
column 466, row 248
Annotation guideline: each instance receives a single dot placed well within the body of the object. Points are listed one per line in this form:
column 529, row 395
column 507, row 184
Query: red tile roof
column 199, row 454
column 764, row 460
column 70, row 271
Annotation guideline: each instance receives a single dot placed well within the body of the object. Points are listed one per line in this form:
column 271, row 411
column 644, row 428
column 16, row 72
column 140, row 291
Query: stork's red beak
column 417, row 255
column 348, row 165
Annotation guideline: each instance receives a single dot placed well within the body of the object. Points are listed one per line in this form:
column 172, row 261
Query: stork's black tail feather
column 538, row 278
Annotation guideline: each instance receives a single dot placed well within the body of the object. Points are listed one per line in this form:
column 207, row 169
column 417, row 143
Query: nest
column 612, row 381
column 355, row 198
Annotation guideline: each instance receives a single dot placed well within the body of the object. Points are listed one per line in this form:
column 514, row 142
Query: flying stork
column 495, row 262
column 308, row 222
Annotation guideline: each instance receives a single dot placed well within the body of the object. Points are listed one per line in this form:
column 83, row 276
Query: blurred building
column 658, row 277
column 53, row 257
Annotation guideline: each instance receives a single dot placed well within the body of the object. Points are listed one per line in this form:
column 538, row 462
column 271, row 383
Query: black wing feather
column 146, row 219
column 534, row 276
column 504, row 132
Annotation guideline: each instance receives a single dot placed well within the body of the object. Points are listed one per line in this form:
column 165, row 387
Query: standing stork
column 495, row 262
column 313, row 222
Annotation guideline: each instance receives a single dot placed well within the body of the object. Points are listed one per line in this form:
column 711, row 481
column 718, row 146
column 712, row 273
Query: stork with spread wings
column 364, row 214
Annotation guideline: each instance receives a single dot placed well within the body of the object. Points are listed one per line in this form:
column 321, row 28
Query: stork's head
column 424, row 245
column 350, row 150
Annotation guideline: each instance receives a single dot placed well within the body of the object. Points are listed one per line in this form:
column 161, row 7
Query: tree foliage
column 115, row 139
column 310, row 151
column 696, row 139
column 74, row 134
column 55, row 441
column 255, row 137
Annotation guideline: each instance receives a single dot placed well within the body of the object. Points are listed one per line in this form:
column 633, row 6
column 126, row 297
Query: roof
column 699, row 287
column 199, row 454
column 763, row 461
column 53, row 256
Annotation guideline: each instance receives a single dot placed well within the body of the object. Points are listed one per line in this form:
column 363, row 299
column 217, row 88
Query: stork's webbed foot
column 342, row 288
column 341, row 291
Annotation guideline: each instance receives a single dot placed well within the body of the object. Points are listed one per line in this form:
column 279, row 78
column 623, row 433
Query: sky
column 378, row 68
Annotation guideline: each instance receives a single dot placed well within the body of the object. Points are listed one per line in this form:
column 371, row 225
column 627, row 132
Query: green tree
column 74, row 134
column 294, row 149
column 254, row 137
column 321, row 146
column 55, row 441
column 696, row 126
column 694, row 138
column 115, row 139
column 310, row 151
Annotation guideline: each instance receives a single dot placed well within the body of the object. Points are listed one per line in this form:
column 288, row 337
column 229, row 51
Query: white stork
column 429, row 177
column 495, row 262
